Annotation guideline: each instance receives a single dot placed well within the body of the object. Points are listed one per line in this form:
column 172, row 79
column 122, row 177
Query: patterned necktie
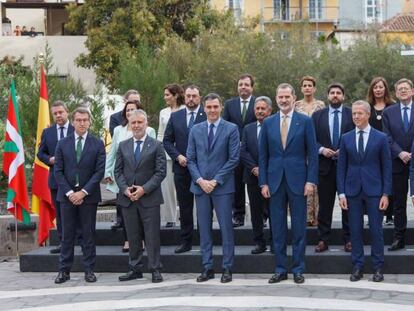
column 191, row 122
column 244, row 109
column 284, row 131
column 79, row 148
column 61, row 134
column 405, row 119
column 361, row 144
column 259, row 128
column 210, row 136
column 335, row 131
column 138, row 151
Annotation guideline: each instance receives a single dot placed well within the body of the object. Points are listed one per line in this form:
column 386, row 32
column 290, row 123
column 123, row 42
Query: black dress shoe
column 206, row 275
column 378, row 276
column 396, row 245
column 182, row 248
column 238, row 223
column 156, row 277
column 116, row 226
column 125, row 250
column 356, row 275
column 298, row 278
column 90, row 277
column 55, row 250
column 277, row 277
column 259, row 249
column 226, row 277
column 130, row 275
column 348, row 247
column 169, row 224
column 62, row 277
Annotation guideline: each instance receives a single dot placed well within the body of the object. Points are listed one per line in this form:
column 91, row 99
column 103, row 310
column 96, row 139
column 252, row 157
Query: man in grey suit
column 139, row 169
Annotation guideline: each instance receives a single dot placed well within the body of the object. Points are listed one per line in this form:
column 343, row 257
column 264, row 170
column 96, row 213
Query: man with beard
column 239, row 110
column 249, row 156
column 288, row 173
column 330, row 124
column 175, row 143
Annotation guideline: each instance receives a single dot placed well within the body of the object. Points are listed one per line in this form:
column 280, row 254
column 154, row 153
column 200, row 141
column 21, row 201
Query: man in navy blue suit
column 249, row 156
column 49, row 139
column 79, row 168
column 175, row 143
column 330, row 124
column 288, row 172
column 364, row 183
column 239, row 110
column 212, row 154
column 398, row 124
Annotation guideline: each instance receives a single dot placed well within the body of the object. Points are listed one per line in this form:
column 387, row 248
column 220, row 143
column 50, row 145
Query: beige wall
column 28, row 18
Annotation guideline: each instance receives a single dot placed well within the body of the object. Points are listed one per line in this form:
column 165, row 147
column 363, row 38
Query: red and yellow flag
column 41, row 199
column 13, row 163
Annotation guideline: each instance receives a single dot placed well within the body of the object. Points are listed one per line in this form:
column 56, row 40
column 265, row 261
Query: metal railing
column 296, row 13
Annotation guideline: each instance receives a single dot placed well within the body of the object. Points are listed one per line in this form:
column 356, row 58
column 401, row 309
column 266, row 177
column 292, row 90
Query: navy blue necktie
column 61, row 134
column 405, row 119
column 361, row 144
column 138, row 151
column 210, row 136
column 335, row 131
column 191, row 122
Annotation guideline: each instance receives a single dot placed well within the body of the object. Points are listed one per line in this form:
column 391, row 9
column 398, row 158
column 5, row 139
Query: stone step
column 111, row 259
column 243, row 235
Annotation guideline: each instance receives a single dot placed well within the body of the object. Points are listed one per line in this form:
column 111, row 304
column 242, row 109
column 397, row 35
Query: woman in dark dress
column 379, row 98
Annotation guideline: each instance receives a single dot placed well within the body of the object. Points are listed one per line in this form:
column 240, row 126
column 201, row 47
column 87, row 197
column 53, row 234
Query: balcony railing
column 296, row 13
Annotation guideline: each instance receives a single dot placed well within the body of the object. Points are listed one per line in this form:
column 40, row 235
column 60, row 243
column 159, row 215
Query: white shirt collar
column 366, row 130
column 65, row 126
column 83, row 136
column 289, row 115
column 215, row 123
column 188, row 111
column 247, row 99
column 332, row 109
column 142, row 138
column 409, row 105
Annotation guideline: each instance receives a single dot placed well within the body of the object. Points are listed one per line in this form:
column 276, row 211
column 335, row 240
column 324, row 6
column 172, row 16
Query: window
column 281, row 9
column 236, row 7
column 315, row 9
column 373, row 11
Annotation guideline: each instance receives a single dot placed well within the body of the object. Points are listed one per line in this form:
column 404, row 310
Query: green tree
column 113, row 26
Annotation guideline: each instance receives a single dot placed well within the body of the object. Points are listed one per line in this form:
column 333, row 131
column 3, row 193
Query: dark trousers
column 400, row 191
column 221, row 204
column 53, row 194
column 73, row 216
column 120, row 218
column 278, row 217
column 327, row 193
column 356, row 207
column 239, row 207
column 258, row 207
column 185, row 200
column 140, row 219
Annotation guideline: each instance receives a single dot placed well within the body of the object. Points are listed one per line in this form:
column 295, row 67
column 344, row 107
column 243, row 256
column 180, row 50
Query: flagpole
column 16, row 233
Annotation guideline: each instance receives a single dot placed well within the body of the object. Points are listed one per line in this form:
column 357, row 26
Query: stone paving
column 37, row 291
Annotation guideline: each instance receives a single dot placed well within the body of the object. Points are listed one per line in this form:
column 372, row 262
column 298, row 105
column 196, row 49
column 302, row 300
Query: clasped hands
column 207, row 185
column 134, row 193
column 77, row 197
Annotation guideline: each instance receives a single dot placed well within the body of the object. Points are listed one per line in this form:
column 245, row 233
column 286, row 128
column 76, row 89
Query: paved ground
column 36, row 291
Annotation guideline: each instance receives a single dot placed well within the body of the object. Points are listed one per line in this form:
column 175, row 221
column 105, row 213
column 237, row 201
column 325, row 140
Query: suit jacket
column 399, row 140
column 90, row 168
column 249, row 153
column 176, row 136
column 217, row 163
column 114, row 120
column 48, row 142
column 232, row 113
column 147, row 173
column 298, row 161
column 323, row 134
column 371, row 174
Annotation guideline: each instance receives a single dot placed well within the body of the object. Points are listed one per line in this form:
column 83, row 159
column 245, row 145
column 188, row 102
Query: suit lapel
column 86, row 146
column 369, row 143
column 325, row 124
column 277, row 131
column 411, row 118
column 292, row 129
column 238, row 110
column 218, row 133
column 201, row 116
column 145, row 147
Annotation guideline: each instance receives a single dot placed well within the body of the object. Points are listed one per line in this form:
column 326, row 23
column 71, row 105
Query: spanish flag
column 41, row 199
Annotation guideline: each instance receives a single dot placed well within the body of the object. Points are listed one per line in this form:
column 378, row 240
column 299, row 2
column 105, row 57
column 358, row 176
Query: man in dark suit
column 79, row 168
column 49, row 139
column 330, row 124
column 116, row 118
column 397, row 121
column 249, row 156
column 139, row 170
column 213, row 152
column 175, row 143
column 239, row 110
column 288, row 172
column 364, row 183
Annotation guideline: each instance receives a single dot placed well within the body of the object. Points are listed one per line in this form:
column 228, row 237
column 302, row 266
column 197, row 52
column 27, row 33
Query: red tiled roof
column 399, row 23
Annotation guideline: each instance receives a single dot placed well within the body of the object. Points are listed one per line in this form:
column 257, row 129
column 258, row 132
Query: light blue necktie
column 138, row 151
